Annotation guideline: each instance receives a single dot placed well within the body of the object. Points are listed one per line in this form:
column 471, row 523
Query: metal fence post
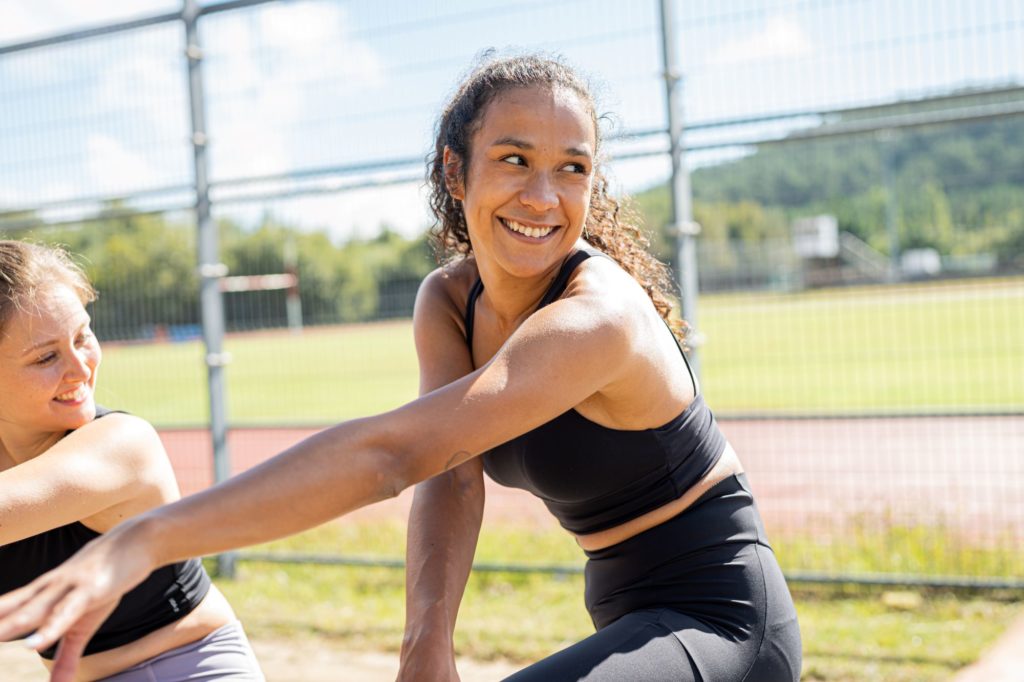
column 684, row 228
column 211, row 270
column 887, row 142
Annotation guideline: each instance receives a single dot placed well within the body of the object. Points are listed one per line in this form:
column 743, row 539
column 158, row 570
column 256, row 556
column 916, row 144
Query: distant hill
column 957, row 187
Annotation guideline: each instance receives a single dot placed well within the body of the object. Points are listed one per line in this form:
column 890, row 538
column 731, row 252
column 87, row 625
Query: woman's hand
column 70, row 602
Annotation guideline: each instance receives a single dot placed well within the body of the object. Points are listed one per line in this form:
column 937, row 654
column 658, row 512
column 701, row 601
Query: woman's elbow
column 407, row 468
column 398, row 472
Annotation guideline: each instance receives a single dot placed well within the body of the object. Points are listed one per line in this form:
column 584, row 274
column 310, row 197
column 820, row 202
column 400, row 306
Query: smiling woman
column 70, row 470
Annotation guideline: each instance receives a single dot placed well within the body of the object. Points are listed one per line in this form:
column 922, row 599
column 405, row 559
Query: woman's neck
column 512, row 299
column 17, row 446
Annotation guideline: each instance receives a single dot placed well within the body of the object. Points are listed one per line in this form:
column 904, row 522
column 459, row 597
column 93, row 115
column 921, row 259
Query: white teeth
column 534, row 232
column 76, row 394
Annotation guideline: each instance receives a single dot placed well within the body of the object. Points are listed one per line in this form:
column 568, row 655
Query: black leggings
column 699, row 598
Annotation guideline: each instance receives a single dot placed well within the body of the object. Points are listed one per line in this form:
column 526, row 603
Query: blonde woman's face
column 48, row 363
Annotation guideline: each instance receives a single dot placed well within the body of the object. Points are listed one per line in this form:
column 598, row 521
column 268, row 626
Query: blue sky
column 318, row 83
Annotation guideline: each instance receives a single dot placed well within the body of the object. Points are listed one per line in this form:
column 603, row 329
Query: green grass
column 870, row 634
column 929, row 347
column 321, row 376
column 909, row 348
column 892, row 549
column 850, row 633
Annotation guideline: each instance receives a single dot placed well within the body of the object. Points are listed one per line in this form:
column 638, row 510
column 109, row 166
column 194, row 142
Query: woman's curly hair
column 611, row 227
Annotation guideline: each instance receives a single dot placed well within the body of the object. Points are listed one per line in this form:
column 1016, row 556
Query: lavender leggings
column 224, row 654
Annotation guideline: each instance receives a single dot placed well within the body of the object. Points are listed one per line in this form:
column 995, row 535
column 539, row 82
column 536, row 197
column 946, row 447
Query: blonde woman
column 71, row 470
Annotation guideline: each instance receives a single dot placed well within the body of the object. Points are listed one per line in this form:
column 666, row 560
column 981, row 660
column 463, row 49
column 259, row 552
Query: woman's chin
column 76, row 415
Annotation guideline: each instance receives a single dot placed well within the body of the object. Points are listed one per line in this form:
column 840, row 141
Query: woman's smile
column 76, row 396
column 531, row 232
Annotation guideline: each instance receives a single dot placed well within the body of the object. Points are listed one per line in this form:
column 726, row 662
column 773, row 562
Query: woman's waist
column 211, row 613
column 727, row 466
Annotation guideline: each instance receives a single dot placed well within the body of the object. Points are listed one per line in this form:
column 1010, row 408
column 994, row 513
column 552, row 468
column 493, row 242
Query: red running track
column 963, row 473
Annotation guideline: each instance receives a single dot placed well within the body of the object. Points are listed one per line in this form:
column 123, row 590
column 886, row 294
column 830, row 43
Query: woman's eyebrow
column 50, row 342
column 511, row 142
column 39, row 346
column 523, row 144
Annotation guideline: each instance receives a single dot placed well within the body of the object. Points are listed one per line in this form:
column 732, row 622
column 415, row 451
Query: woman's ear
column 453, row 174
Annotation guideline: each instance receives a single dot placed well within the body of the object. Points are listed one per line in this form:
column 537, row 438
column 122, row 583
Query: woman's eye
column 514, row 159
column 83, row 337
column 576, row 168
column 45, row 359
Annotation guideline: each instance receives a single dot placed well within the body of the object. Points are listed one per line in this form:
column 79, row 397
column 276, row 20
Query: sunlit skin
column 48, row 363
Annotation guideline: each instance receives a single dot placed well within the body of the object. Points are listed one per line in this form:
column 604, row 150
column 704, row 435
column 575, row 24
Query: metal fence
column 855, row 173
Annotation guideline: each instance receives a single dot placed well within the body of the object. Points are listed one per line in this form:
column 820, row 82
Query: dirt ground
column 283, row 662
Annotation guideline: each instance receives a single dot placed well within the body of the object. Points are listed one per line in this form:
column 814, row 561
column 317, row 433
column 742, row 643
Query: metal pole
column 683, row 226
column 293, row 300
column 211, row 270
column 887, row 140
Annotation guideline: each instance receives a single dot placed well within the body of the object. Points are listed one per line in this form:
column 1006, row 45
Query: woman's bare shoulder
column 121, row 440
column 614, row 289
column 99, row 473
column 448, row 286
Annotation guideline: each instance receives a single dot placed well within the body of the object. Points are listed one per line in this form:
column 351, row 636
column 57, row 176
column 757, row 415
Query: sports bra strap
column 474, row 293
column 562, row 278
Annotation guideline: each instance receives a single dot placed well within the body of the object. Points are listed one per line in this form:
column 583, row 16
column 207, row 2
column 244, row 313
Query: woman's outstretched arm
column 555, row 360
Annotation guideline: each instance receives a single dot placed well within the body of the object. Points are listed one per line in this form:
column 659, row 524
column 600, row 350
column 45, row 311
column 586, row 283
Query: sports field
column 925, row 348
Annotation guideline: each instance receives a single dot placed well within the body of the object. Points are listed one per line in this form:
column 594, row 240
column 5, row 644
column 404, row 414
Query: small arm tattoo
column 456, row 459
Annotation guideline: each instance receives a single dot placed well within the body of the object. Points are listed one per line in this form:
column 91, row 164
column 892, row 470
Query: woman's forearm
column 322, row 477
column 444, row 524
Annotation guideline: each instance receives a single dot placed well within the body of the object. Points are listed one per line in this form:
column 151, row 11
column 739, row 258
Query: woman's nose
column 539, row 193
column 81, row 364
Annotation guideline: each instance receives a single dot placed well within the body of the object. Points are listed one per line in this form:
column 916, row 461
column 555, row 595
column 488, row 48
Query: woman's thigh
column 639, row 647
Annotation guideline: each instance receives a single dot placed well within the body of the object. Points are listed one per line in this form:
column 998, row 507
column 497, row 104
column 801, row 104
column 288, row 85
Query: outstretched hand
column 70, row 602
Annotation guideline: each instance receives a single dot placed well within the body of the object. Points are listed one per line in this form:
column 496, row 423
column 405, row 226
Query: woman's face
column 528, row 180
column 48, row 363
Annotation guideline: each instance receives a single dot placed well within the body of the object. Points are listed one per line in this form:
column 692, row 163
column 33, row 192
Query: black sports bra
column 592, row 477
column 167, row 595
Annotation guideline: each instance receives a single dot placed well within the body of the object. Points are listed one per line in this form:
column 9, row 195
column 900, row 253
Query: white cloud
column 294, row 64
column 780, row 37
column 112, row 168
column 359, row 213
column 9, row 198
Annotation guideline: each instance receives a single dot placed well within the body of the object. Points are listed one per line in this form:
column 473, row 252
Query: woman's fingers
column 22, row 611
column 73, row 643
column 45, row 609
column 54, row 608
column 62, row 614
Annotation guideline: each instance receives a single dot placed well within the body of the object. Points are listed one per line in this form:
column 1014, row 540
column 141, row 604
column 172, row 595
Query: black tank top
column 592, row 477
column 167, row 595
